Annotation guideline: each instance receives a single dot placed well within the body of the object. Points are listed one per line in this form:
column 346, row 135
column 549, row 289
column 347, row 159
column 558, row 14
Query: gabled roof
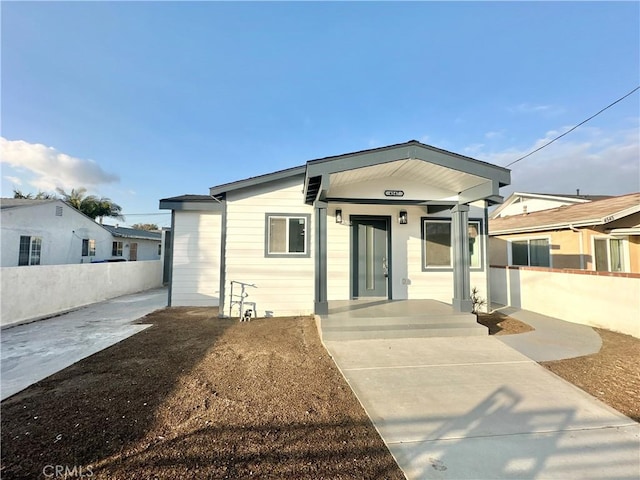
column 124, row 232
column 257, row 180
column 24, row 202
column 599, row 212
column 315, row 170
column 515, row 196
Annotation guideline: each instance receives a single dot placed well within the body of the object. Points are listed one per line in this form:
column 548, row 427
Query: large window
column 531, row 252
column 437, row 240
column 608, row 254
column 88, row 248
column 116, row 249
column 286, row 235
column 30, row 250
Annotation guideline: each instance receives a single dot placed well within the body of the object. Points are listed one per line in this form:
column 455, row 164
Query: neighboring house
column 519, row 203
column 50, row 232
column 407, row 221
column 601, row 235
column 134, row 244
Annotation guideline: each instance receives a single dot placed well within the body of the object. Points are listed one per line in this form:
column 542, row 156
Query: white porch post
column 461, row 274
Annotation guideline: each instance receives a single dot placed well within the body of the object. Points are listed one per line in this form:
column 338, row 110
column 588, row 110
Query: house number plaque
column 394, row 193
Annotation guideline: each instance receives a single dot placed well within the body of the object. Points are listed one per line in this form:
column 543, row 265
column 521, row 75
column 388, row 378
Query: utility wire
column 572, row 129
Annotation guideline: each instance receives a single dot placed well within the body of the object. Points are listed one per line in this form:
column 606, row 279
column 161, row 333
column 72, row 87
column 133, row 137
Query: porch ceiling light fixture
column 403, row 217
column 338, row 216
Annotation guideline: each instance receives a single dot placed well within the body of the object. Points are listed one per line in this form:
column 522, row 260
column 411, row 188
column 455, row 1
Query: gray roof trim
column 191, row 203
column 258, row 180
column 6, row 203
column 402, row 151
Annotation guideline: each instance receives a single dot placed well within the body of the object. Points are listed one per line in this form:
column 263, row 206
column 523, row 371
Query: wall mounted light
column 403, row 217
column 338, row 216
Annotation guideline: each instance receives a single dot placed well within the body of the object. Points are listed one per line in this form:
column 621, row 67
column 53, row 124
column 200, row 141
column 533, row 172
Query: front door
column 370, row 257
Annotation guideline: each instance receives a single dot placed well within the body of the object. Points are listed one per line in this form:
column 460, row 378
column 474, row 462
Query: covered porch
column 380, row 318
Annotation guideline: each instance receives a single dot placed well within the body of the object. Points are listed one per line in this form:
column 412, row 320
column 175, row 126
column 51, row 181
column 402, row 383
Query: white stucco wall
column 598, row 299
column 61, row 235
column 40, row 291
column 196, row 259
column 285, row 285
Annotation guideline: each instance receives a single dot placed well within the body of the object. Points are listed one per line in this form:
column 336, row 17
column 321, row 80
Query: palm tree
column 38, row 196
column 91, row 205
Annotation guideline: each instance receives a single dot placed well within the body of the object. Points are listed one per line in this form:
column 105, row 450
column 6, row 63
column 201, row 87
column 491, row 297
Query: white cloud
column 528, row 108
column 14, row 180
column 494, row 134
column 49, row 168
column 593, row 161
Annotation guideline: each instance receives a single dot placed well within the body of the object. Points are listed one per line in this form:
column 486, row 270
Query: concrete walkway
column 553, row 339
column 475, row 408
column 33, row 351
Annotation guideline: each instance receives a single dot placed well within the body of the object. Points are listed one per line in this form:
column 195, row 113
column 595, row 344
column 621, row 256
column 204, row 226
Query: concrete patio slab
column 33, row 351
column 472, row 407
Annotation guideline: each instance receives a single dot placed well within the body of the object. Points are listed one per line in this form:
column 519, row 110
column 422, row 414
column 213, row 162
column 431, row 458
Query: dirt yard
column 197, row 397
column 611, row 375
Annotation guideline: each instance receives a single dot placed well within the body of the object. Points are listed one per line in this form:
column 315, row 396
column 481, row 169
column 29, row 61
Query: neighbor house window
column 438, row 239
column 30, row 250
column 287, row 235
column 116, row 249
column 88, row 248
column 531, row 252
column 608, row 254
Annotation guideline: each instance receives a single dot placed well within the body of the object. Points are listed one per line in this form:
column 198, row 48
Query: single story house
column 406, row 221
column 600, row 235
column 520, row 203
column 51, row 232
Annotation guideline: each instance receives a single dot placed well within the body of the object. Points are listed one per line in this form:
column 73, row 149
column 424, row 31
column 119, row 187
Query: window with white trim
column 608, row 254
column 286, row 235
column 30, row 250
column 531, row 252
column 437, row 240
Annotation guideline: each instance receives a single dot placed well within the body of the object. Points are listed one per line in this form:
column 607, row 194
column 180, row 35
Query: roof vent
column 58, row 211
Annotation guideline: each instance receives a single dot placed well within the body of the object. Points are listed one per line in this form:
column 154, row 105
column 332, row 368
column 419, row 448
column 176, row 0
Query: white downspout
column 579, row 232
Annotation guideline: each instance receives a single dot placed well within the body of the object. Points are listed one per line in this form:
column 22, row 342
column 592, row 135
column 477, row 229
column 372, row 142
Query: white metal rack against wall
column 239, row 299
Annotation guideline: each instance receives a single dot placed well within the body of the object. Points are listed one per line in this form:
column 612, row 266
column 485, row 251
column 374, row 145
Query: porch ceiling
column 442, row 178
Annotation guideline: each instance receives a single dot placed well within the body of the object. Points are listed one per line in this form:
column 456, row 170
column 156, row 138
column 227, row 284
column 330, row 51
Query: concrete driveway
column 33, row 351
column 475, row 408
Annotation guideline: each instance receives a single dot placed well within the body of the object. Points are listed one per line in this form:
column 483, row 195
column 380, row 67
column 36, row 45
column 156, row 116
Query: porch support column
column 461, row 273
column 321, row 306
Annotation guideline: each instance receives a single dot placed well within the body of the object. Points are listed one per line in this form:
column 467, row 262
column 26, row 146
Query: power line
column 144, row 214
column 572, row 129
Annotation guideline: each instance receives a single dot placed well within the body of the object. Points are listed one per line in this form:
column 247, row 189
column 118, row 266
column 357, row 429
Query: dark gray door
column 370, row 262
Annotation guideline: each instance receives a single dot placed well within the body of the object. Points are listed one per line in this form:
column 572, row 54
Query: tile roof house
column 519, row 203
column 600, row 235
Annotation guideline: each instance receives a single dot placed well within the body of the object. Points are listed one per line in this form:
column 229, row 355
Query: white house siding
column 147, row 249
column 408, row 279
column 61, row 235
column 196, row 259
column 285, row 285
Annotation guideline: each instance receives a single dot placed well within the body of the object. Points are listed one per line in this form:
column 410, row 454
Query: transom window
column 533, row 252
column 30, row 250
column 287, row 235
column 437, row 240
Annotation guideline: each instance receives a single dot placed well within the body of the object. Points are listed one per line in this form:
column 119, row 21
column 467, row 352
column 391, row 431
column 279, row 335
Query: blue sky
column 142, row 101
